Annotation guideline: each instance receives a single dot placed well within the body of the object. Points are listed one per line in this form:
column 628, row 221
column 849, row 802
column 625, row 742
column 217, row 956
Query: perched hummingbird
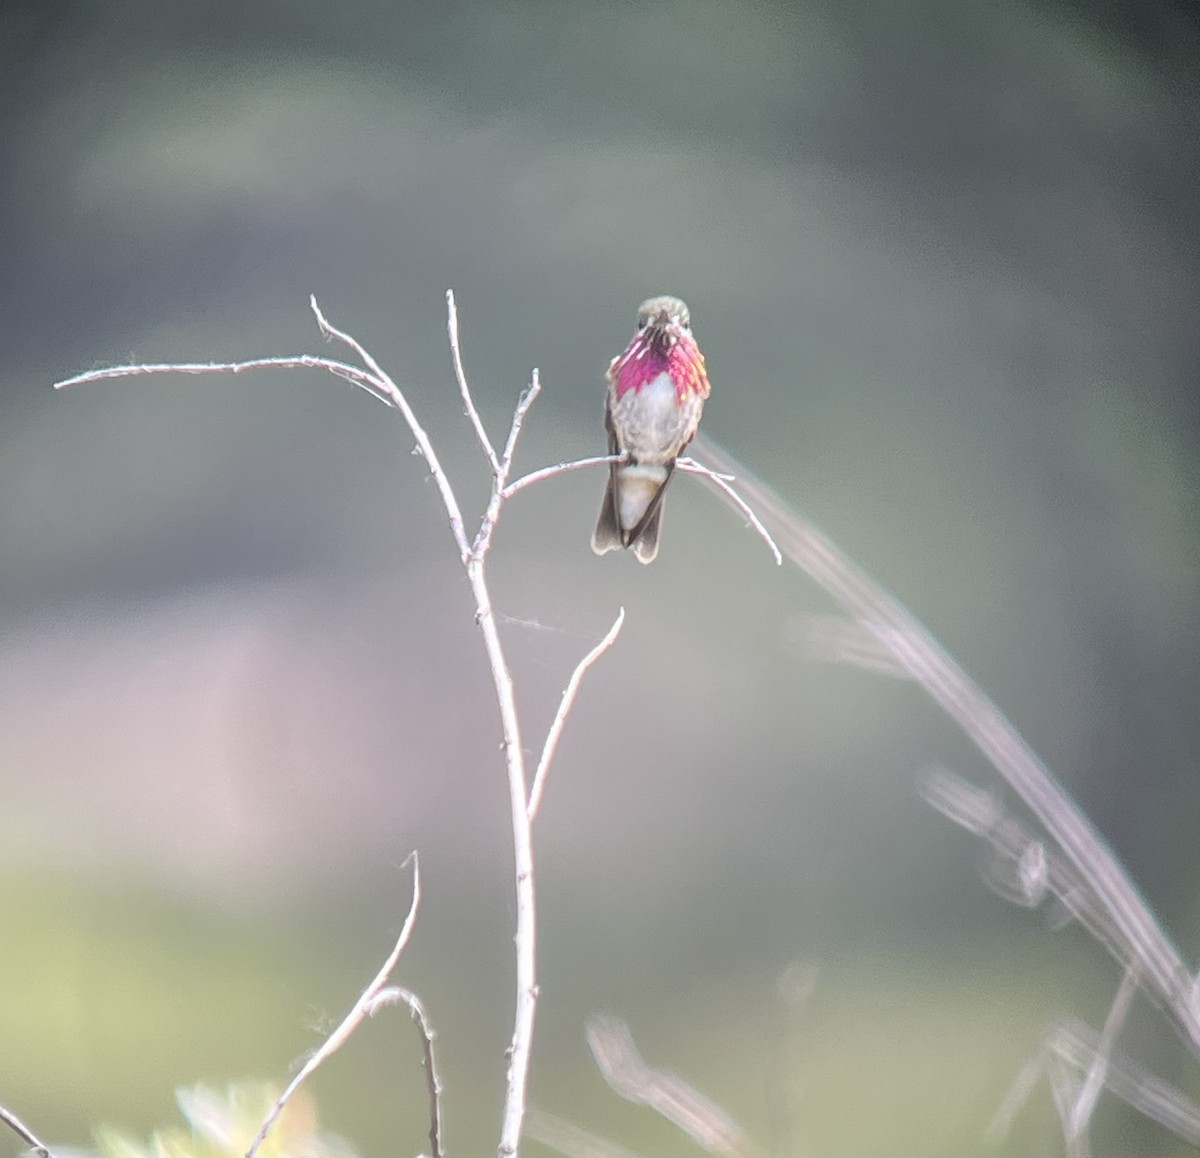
column 656, row 391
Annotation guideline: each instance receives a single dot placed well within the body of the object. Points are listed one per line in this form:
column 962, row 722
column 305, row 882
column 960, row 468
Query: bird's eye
column 643, row 323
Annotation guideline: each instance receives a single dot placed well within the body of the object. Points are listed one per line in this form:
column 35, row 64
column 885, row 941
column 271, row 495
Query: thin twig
column 721, row 482
column 491, row 515
column 397, row 398
column 1021, row 870
column 1018, row 1094
column 1065, row 1084
column 460, row 374
column 1070, row 1042
column 545, row 472
column 374, row 380
column 363, row 1008
column 719, row 479
column 564, row 707
column 527, row 399
column 1097, row 1074
column 352, row 374
column 664, row 1092
column 433, row 1082
column 26, row 1134
column 1132, row 1082
column 1160, row 965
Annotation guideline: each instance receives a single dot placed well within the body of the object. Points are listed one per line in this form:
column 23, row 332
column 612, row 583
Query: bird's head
column 663, row 342
column 664, row 313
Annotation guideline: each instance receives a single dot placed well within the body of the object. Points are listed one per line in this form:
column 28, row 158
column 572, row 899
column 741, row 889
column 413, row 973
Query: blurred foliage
column 223, row 1125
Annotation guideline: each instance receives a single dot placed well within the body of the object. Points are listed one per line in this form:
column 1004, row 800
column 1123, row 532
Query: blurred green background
column 943, row 260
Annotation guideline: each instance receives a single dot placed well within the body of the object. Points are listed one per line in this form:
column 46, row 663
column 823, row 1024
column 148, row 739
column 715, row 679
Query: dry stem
column 1139, row 938
column 523, row 803
column 721, row 482
column 368, row 1001
column 663, row 1091
column 18, row 1127
column 564, row 708
column 1076, row 1124
column 433, row 1082
column 1072, row 1044
column 546, row 472
column 460, row 375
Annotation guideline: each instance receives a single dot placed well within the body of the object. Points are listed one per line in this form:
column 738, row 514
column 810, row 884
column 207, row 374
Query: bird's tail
column 608, row 535
column 633, row 500
column 645, row 546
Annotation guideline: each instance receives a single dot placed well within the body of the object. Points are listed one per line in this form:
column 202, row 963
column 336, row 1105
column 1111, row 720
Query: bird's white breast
column 650, row 421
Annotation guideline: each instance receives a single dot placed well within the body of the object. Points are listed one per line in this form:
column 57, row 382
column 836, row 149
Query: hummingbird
column 656, row 391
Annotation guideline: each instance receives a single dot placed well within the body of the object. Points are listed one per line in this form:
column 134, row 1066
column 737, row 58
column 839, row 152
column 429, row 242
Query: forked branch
column 371, row 999
column 524, row 801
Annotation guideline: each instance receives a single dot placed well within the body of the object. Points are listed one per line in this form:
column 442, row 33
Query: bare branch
column 1071, row 1043
column 433, row 1082
column 525, row 938
column 1065, row 1084
column 1132, row 1082
column 721, row 482
column 460, row 375
column 363, row 1008
column 564, row 707
column 1021, row 870
column 483, row 540
column 396, row 397
column 520, row 1050
column 1097, row 1074
column 1017, row 1096
column 24, row 1132
column 1139, row 937
column 527, row 399
column 374, row 380
column 1024, row 872
column 558, row 468
column 664, row 1092
column 352, row 374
